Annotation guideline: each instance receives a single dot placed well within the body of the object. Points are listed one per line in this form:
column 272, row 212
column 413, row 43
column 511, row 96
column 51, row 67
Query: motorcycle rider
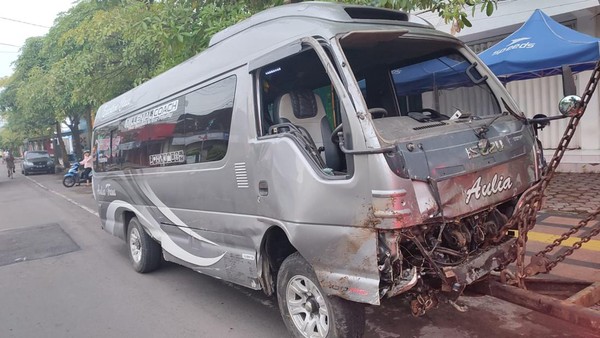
column 87, row 167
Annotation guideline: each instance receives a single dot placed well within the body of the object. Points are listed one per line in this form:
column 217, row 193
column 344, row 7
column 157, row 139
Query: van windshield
column 418, row 81
column 446, row 84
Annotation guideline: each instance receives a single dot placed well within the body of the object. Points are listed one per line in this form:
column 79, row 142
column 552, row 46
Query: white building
column 541, row 95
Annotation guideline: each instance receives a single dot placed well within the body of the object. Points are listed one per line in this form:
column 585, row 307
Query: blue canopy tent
column 441, row 72
column 540, row 48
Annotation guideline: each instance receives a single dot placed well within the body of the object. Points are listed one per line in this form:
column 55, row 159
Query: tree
column 99, row 49
column 22, row 102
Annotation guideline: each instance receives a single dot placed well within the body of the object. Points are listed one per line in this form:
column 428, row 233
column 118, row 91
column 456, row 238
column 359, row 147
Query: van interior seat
column 305, row 109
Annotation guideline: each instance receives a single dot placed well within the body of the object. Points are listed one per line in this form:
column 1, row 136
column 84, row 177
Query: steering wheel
column 334, row 134
column 378, row 113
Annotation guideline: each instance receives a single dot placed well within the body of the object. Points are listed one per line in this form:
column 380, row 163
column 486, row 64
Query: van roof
column 253, row 37
column 313, row 10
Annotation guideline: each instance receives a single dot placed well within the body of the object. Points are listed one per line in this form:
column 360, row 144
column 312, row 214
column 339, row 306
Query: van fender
column 344, row 258
column 115, row 220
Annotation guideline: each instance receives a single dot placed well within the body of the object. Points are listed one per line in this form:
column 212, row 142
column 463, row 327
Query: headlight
column 50, row 162
column 27, row 163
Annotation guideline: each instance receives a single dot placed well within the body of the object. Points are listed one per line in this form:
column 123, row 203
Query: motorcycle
column 73, row 176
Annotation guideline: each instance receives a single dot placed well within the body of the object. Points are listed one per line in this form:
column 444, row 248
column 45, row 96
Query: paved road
column 89, row 289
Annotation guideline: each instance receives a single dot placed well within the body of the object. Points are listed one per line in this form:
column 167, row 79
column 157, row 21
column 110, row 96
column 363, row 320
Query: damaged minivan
column 331, row 155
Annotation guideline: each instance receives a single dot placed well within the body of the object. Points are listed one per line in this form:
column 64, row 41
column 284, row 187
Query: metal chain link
column 530, row 203
column 595, row 231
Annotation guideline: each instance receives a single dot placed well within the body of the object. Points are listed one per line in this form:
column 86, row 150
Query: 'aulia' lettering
column 498, row 184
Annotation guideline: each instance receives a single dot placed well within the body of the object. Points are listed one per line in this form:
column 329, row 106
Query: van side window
column 207, row 121
column 147, row 137
column 188, row 129
column 107, row 142
column 298, row 100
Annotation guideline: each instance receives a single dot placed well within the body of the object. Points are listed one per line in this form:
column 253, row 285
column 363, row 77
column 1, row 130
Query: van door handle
column 263, row 188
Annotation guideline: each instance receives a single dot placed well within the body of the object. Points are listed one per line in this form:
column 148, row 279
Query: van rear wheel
column 144, row 252
column 307, row 311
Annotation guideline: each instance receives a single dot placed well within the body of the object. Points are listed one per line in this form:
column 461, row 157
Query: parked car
column 37, row 162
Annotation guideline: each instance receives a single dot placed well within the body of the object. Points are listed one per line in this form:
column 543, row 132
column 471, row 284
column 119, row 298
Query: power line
column 9, row 45
column 23, row 22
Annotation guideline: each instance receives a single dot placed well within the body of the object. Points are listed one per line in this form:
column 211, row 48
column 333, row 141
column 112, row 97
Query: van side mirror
column 569, row 105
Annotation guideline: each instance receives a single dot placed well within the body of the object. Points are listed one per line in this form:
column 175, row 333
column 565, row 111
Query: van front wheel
column 307, row 311
column 144, row 252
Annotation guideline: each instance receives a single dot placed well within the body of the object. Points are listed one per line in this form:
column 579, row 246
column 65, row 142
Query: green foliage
column 455, row 11
column 102, row 48
column 9, row 139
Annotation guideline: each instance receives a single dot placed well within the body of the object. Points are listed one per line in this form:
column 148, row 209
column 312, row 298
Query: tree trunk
column 63, row 149
column 89, row 118
column 76, row 135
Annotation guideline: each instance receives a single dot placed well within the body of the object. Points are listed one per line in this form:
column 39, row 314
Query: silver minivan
column 332, row 155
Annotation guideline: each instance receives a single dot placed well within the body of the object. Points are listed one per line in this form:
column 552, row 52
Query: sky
column 21, row 19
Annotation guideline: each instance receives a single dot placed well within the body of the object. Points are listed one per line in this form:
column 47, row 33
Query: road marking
column 593, row 245
column 65, row 197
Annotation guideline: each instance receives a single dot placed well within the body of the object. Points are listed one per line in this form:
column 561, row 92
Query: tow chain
column 525, row 214
column 540, row 263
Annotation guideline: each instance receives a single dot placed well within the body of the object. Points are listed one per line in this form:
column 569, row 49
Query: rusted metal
column 422, row 303
column 403, row 285
column 540, row 263
column 555, row 287
column 586, row 297
column 557, row 308
column 524, row 216
column 475, row 268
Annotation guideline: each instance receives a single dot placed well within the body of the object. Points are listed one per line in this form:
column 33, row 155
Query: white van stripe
column 170, row 214
column 166, row 242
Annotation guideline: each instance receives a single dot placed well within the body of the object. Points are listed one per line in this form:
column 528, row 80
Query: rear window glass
column 30, row 156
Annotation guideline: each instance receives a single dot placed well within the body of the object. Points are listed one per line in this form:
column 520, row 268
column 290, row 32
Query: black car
column 37, row 162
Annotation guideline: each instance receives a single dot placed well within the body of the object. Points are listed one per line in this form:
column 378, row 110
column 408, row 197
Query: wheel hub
column 307, row 308
column 135, row 245
column 311, row 305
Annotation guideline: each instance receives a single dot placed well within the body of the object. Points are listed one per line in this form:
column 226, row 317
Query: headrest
column 304, row 103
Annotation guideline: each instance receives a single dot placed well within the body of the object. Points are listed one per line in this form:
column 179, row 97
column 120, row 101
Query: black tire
column 339, row 319
column 69, row 181
column 144, row 252
column 25, row 173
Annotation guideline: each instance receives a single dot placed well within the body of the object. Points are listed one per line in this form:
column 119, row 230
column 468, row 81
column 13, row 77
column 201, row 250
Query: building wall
column 541, row 96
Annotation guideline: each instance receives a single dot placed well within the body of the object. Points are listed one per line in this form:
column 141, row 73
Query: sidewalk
column 573, row 193
column 569, row 198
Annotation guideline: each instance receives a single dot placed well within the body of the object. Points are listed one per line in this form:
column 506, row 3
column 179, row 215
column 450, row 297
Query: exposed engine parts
column 443, row 256
column 451, row 243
